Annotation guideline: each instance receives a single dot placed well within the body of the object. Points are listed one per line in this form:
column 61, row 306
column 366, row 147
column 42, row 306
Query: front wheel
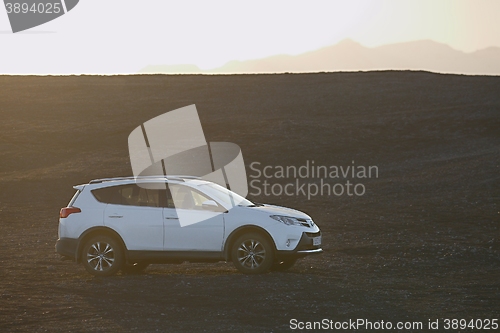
column 102, row 256
column 252, row 254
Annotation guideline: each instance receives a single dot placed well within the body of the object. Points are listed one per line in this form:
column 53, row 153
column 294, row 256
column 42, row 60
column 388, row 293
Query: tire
column 137, row 268
column 252, row 253
column 102, row 256
column 283, row 265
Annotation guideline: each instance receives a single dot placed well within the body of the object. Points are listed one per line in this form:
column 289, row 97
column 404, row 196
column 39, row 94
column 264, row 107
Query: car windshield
column 226, row 196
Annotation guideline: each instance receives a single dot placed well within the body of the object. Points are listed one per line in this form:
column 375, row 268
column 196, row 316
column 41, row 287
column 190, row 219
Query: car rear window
column 130, row 195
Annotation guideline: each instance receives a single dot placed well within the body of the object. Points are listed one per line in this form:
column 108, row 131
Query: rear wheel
column 283, row 265
column 102, row 256
column 252, row 253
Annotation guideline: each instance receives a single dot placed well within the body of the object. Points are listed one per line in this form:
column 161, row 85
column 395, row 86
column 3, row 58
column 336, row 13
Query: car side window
column 131, row 195
column 184, row 197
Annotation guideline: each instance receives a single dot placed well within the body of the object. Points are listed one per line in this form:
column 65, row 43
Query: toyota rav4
column 128, row 223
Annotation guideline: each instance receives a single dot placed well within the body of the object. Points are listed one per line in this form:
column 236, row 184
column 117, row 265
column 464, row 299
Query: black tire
column 252, row 253
column 137, row 268
column 283, row 265
column 102, row 256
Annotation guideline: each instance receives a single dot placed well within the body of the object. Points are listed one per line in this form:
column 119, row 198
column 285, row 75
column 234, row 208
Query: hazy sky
column 122, row 36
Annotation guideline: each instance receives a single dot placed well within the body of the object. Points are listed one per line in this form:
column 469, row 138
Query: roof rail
column 168, row 177
column 184, row 177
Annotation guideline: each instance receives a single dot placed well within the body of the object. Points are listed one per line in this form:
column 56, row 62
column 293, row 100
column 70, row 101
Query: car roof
column 105, row 182
column 134, row 178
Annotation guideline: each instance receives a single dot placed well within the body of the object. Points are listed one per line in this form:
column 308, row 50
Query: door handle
column 171, row 218
column 115, row 216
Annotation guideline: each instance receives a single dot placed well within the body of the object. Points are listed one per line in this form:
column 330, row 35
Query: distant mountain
column 349, row 55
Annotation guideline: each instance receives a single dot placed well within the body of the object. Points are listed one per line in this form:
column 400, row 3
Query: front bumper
column 304, row 248
column 67, row 247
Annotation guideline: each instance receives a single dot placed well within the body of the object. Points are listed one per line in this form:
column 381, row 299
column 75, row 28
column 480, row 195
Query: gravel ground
column 421, row 244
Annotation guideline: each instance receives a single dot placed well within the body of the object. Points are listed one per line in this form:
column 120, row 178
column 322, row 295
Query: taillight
column 67, row 211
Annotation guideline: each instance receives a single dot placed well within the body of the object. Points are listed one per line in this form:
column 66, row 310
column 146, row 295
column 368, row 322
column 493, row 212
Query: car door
column 188, row 225
column 136, row 213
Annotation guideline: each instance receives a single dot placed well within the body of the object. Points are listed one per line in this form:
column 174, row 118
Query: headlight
column 288, row 220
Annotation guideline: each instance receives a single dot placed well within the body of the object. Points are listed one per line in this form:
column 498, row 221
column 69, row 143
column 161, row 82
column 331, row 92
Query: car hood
column 278, row 210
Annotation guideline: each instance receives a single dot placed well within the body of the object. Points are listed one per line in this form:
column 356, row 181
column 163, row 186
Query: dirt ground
column 422, row 242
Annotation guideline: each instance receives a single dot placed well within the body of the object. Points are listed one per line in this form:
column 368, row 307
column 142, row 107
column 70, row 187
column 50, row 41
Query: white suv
column 129, row 223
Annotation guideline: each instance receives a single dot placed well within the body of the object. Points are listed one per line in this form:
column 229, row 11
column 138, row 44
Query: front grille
column 306, row 243
column 313, row 234
column 307, row 247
